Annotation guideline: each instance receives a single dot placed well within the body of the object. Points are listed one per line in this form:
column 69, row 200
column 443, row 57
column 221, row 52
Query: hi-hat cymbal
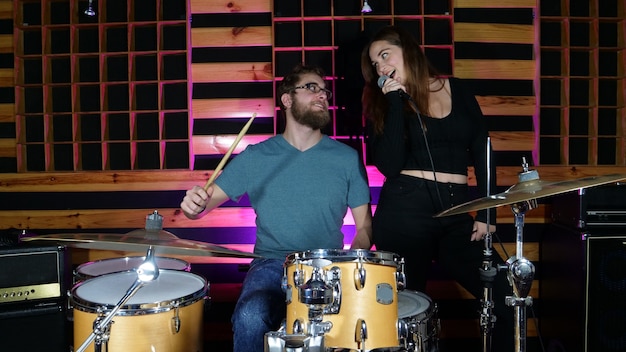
column 161, row 241
column 529, row 190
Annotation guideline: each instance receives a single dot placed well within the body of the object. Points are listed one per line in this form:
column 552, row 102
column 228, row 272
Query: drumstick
column 229, row 152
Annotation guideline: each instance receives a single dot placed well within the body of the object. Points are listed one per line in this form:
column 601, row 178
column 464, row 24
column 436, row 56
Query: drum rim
column 412, row 294
column 85, row 305
column 378, row 257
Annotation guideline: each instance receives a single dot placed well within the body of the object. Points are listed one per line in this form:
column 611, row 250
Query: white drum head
column 412, row 303
column 116, row 265
column 169, row 286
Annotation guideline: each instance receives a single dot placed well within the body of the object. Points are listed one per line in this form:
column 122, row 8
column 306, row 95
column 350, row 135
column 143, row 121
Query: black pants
column 404, row 224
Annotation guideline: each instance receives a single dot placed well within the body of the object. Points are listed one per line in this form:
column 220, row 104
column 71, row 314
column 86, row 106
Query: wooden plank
column 219, row 144
column 495, row 69
column 90, row 181
column 231, row 36
column 494, row 33
column 80, row 255
column 7, row 113
column 223, row 217
column 506, row 141
column 494, row 4
column 227, row 6
column 236, row 108
column 6, row 10
column 6, row 77
column 8, row 148
column 231, row 72
column 6, row 43
column 507, row 105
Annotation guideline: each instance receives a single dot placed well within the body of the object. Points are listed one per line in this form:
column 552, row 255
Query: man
column 300, row 184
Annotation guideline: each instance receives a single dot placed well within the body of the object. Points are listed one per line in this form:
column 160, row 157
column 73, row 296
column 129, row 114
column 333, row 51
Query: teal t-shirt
column 300, row 198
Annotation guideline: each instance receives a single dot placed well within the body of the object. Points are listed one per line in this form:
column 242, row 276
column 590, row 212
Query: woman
column 424, row 131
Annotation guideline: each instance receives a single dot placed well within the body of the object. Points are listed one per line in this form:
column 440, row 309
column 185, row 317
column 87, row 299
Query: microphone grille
column 381, row 80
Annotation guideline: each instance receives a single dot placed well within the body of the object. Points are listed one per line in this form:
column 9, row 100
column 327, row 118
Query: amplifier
column 33, row 272
column 593, row 208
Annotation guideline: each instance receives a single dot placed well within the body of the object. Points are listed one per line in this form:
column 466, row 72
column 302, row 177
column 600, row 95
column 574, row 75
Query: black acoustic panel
column 35, row 327
column 605, row 303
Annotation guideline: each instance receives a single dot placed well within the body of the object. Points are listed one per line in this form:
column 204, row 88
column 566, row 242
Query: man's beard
column 314, row 119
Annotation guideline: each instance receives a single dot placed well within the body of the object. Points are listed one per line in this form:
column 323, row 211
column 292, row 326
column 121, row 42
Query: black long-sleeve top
column 455, row 141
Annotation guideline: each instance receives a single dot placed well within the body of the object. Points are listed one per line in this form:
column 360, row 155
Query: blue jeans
column 261, row 307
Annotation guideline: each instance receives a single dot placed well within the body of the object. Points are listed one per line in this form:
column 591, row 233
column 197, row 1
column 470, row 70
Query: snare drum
column 117, row 265
column 164, row 315
column 364, row 284
column 419, row 322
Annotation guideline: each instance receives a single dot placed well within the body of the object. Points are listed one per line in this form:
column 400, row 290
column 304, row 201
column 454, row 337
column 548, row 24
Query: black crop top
column 456, row 141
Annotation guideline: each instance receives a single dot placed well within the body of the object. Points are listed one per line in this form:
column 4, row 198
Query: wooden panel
column 220, row 108
column 512, row 140
column 229, row 37
column 495, row 69
column 494, row 33
column 219, row 145
column 6, row 77
column 494, row 4
column 101, row 181
column 6, row 43
column 227, row 6
column 183, row 180
column 7, row 148
column 223, row 217
column 231, row 72
column 6, row 9
column 7, row 113
column 507, row 105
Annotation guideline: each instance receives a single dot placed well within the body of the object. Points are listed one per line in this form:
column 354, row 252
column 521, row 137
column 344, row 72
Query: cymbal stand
column 521, row 271
column 146, row 272
column 487, row 273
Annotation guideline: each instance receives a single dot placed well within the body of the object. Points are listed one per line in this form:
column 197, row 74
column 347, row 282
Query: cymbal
column 161, row 241
column 529, row 190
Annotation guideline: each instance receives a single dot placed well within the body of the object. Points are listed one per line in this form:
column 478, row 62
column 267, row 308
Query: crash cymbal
column 162, row 242
column 529, row 190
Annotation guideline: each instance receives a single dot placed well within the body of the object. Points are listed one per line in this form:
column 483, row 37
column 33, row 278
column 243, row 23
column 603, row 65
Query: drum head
column 116, row 265
column 171, row 287
column 412, row 303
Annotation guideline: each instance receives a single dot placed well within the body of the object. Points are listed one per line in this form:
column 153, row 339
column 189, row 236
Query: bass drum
column 419, row 325
column 164, row 315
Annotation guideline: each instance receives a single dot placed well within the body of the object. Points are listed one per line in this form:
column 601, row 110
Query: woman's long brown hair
column 418, row 69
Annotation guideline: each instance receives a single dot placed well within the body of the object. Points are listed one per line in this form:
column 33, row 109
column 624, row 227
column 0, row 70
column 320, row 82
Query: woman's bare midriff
column 442, row 177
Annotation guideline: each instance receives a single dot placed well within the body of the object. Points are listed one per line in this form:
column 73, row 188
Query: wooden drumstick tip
column 229, row 152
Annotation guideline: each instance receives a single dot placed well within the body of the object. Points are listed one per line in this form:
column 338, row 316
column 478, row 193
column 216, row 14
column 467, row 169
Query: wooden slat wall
column 117, row 202
column 8, row 152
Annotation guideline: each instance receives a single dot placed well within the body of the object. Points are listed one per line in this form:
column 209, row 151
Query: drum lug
column 400, row 277
column 359, row 276
column 176, row 321
column 361, row 333
column 334, row 277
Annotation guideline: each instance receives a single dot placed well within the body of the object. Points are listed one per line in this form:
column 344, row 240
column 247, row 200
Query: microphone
column 381, row 82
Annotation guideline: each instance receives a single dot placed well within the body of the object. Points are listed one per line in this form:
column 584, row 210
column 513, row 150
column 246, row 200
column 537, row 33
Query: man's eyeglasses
column 314, row 88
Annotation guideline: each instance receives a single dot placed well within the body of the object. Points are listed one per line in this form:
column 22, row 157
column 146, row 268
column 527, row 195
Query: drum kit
column 336, row 299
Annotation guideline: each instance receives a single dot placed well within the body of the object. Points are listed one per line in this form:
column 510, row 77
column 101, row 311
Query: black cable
column 430, row 156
